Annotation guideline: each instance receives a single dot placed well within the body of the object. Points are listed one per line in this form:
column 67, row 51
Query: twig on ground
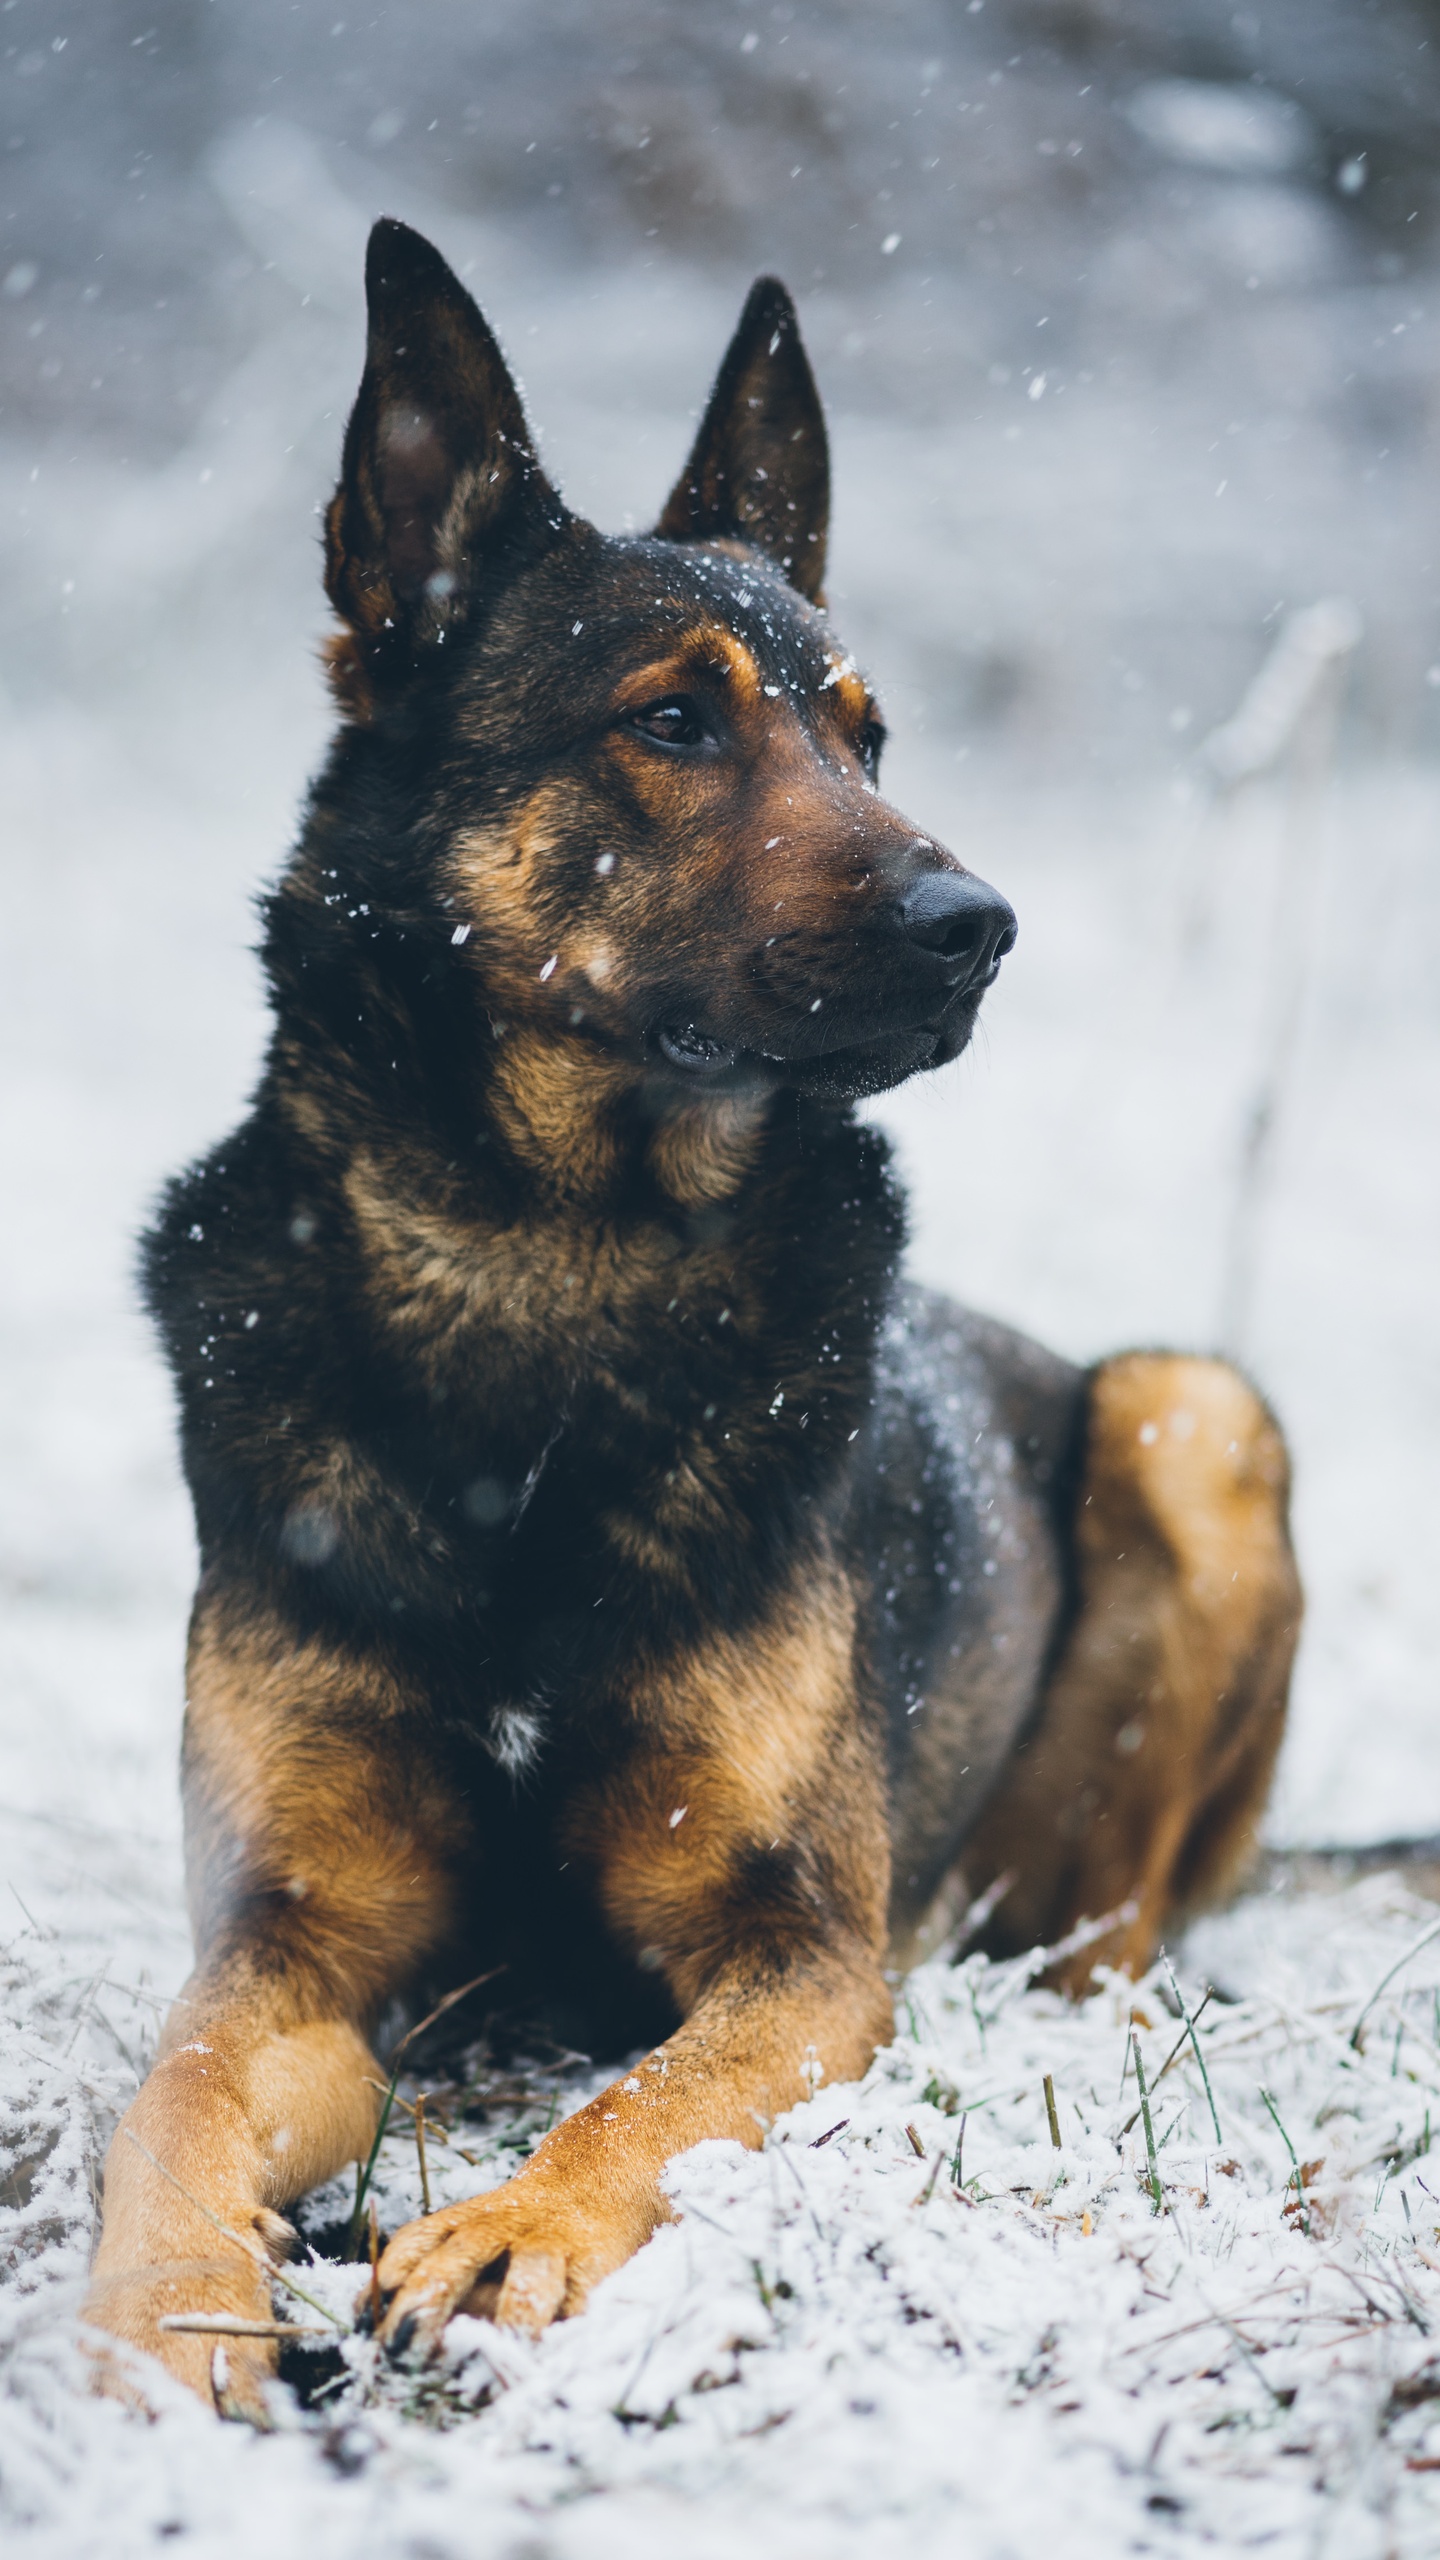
column 39, row 1926
column 1248, row 2352
column 1041, row 1959
column 225, row 2324
column 983, row 1908
column 441, row 2006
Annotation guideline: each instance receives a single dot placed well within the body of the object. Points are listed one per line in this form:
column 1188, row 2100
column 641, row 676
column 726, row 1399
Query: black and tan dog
column 606, row 1574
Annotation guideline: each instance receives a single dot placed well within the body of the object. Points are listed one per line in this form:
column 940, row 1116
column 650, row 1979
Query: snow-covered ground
column 911, row 2323
column 988, row 2376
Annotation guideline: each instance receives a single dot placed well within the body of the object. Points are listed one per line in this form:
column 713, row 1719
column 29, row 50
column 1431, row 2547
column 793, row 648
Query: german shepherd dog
column 608, row 1573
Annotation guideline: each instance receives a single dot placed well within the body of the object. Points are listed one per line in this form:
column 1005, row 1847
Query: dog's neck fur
column 666, row 1322
column 459, row 1140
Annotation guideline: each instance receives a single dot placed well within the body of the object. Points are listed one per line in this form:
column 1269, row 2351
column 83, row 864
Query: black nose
column 962, row 920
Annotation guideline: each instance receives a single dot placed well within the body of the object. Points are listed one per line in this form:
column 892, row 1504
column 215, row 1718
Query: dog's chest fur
column 515, row 1437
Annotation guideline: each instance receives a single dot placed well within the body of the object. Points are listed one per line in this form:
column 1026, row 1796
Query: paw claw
column 279, row 2237
column 236, row 2395
column 533, row 2290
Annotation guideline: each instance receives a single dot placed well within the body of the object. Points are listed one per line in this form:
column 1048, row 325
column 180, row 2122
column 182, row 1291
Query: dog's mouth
column 881, row 1056
column 693, row 1051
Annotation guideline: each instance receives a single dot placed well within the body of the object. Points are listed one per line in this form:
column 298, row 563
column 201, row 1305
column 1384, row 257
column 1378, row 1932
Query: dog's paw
column 525, row 2254
column 128, row 2317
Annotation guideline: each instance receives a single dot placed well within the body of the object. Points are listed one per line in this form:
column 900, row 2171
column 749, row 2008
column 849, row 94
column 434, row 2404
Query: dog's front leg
column 316, row 1841
column 761, row 2039
column 740, row 1845
column 248, row 2105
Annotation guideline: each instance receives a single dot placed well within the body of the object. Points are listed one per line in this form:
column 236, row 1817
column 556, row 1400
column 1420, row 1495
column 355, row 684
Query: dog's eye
column 868, row 746
column 675, row 722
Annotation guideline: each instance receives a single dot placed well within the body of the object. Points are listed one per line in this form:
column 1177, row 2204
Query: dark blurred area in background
column 1155, row 245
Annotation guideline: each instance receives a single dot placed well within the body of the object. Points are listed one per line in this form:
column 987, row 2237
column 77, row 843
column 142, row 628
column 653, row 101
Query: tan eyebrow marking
column 739, row 663
column 852, row 695
column 712, row 647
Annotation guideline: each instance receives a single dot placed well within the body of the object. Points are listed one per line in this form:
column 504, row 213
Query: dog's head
column 638, row 777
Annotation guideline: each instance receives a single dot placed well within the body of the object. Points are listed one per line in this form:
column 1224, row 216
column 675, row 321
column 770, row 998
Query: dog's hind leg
column 1146, row 1771
column 315, row 1842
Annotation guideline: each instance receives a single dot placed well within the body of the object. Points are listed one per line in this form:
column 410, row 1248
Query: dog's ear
column 439, row 481
column 759, row 468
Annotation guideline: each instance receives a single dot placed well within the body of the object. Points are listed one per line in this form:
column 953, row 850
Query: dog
column 610, row 1572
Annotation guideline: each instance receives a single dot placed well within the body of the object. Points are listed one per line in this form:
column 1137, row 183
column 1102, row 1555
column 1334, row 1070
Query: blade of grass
column 1157, row 2192
column 419, row 2116
column 1295, row 2180
column 366, row 2169
column 1190, row 2024
column 374, row 2304
column 1388, row 1977
column 1171, row 2058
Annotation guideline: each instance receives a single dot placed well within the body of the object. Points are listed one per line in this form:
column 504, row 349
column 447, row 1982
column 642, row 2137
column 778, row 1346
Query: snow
column 1060, row 598
column 830, row 2346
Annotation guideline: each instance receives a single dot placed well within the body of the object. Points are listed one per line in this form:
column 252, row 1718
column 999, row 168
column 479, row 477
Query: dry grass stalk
column 252, row 2248
column 367, row 2169
column 822, row 2138
column 418, row 2113
column 436, row 2130
column 440, row 2008
column 1050, row 2110
column 226, row 2324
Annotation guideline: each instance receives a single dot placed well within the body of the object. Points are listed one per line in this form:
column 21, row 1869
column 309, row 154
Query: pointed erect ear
column 439, row 482
column 760, row 466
